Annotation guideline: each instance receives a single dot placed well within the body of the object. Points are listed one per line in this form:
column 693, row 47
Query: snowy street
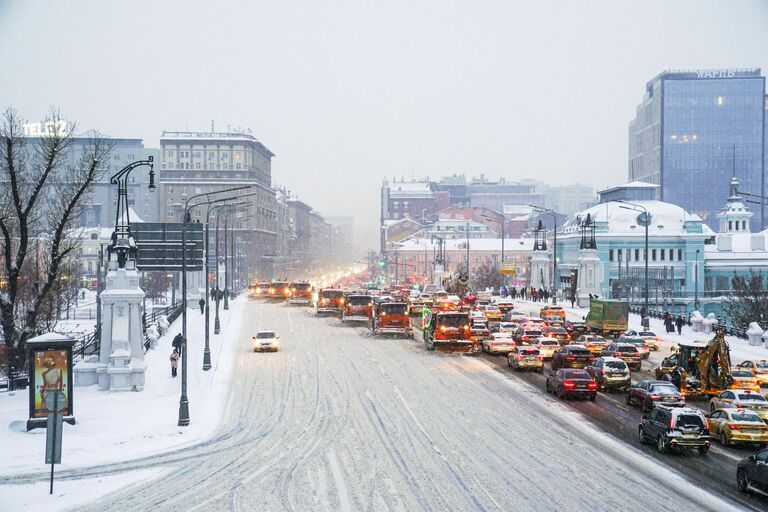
column 338, row 420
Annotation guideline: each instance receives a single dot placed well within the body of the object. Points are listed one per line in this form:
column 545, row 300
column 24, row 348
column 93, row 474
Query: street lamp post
column 645, row 220
column 226, row 267
column 190, row 203
column 696, row 282
column 555, row 279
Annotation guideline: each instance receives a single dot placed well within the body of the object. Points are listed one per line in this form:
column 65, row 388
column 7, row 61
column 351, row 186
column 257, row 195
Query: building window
column 237, row 167
column 679, row 255
column 169, row 154
column 171, row 213
column 211, row 154
column 197, row 165
column 663, row 254
column 619, row 255
column 744, row 225
column 671, row 255
column 730, row 225
column 653, row 254
column 637, row 254
column 405, row 204
column 610, row 255
column 94, row 236
column 396, row 204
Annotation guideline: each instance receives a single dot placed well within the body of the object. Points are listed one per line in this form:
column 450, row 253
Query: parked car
column 572, row 356
column 498, row 343
column 650, row 393
column 651, row 339
column 759, row 368
column 675, row 428
column 547, row 347
column 265, row 341
column 572, row 383
column 753, row 472
column 642, row 347
column 732, row 399
column 744, row 379
column 610, row 373
column 525, row 358
column 738, row 426
column 626, row 352
column 594, row 343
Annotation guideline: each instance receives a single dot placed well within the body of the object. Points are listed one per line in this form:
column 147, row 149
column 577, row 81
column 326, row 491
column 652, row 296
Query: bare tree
column 746, row 301
column 486, row 276
column 41, row 198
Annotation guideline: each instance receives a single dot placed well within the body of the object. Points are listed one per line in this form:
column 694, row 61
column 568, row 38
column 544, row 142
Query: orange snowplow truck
column 330, row 301
column 279, row 290
column 358, row 308
column 392, row 318
column 450, row 331
column 301, row 293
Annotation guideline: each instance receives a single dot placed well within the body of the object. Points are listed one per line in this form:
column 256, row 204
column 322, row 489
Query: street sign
column 53, row 439
column 159, row 246
column 55, row 401
column 508, row 269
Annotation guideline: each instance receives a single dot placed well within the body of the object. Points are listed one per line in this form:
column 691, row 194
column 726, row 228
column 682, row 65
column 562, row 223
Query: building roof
column 176, row 136
column 410, row 189
column 631, row 184
column 475, row 244
column 666, row 220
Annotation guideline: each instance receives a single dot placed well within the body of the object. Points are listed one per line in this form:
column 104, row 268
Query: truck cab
column 392, row 318
column 301, row 293
column 279, row 290
column 450, row 331
column 330, row 301
column 358, row 308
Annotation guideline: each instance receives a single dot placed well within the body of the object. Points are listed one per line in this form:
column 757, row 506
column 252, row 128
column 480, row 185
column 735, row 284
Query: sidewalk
column 115, row 427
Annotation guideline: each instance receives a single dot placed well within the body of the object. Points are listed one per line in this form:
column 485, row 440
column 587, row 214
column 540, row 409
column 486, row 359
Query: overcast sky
column 346, row 93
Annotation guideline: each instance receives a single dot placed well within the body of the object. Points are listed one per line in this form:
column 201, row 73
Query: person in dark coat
column 177, row 342
column 202, row 305
column 679, row 323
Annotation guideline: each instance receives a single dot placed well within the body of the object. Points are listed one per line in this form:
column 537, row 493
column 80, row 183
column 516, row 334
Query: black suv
column 572, row 356
column 676, row 428
column 753, row 472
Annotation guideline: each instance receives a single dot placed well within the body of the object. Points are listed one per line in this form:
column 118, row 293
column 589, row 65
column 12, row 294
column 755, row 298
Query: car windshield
column 751, row 396
column 576, row 374
column 557, row 330
column 530, row 332
column 741, row 373
column 265, row 335
column 762, row 366
column 453, row 320
column 746, row 416
column 638, row 341
column 357, row 300
column 331, row 294
column 550, row 343
column 647, row 334
column 689, row 420
column 394, row 309
column 664, row 389
column 595, row 339
column 616, row 365
column 301, row 286
column 580, row 352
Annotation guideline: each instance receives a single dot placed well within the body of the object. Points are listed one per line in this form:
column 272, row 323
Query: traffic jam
column 681, row 398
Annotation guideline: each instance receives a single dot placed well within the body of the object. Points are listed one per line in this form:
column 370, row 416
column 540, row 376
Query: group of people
column 526, row 293
column 670, row 323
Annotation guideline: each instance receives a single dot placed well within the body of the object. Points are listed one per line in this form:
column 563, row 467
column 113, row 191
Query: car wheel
column 741, row 480
column 628, row 399
column 723, row 439
column 647, row 406
column 592, row 397
column 712, row 408
column 660, row 445
column 703, row 450
column 641, row 435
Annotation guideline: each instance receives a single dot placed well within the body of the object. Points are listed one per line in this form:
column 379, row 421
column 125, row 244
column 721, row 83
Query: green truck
column 608, row 317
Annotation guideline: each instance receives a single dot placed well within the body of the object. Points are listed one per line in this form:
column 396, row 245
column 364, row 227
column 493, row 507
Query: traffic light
column 382, row 263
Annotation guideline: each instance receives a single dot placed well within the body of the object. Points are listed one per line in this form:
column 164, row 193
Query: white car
column 499, row 343
column 265, row 341
column 547, row 347
column 508, row 327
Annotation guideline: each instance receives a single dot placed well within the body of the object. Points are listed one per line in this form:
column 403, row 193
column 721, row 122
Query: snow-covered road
column 338, row 420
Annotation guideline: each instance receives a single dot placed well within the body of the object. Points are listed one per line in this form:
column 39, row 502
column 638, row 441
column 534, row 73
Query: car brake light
column 570, row 358
column 646, row 347
column 734, row 427
column 740, row 406
column 569, row 385
column 654, row 397
column 592, row 385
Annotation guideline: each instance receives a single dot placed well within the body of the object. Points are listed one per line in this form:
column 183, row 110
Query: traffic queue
column 686, row 404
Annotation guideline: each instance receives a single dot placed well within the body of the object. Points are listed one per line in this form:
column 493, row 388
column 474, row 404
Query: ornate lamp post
column 644, row 219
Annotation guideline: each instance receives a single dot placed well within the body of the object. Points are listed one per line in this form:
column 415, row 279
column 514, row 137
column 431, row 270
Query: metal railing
column 86, row 345
column 172, row 312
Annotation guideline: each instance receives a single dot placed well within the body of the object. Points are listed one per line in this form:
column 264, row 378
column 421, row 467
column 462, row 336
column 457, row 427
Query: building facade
column 693, row 131
column 194, row 163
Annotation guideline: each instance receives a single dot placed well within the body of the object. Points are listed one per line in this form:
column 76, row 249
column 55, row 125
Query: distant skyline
column 346, row 93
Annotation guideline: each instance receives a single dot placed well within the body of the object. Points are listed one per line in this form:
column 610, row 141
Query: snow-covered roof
column 666, row 220
column 475, row 244
column 410, row 189
column 517, row 209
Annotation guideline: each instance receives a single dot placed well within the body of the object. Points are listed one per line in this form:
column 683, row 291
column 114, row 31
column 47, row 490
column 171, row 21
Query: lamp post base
column 183, row 411
column 216, row 326
column 206, row 359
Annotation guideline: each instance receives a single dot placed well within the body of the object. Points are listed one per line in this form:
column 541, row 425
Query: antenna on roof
column 212, row 130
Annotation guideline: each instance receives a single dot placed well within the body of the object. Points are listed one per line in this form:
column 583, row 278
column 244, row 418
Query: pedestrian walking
column 202, row 305
column 668, row 322
column 573, row 300
column 177, row 342
column 174, row 361
column 679, row 323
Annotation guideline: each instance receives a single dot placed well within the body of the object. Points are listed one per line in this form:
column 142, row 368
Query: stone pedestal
column 590, row 276
column 121, row 364
column 697, row 322
column 709, row 323
column 755, row 334
column 540, row 270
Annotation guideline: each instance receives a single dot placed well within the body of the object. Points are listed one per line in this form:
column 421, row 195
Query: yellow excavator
column 701, row 368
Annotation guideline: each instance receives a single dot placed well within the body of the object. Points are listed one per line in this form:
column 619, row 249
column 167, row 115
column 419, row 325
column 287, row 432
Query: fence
column 731, row 329
column 172, row 312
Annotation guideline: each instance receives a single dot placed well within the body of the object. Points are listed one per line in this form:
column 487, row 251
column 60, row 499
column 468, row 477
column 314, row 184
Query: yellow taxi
column 741, row 426
column 759, row 369
column 744, row 379
column 493, row 313
column 595, row 344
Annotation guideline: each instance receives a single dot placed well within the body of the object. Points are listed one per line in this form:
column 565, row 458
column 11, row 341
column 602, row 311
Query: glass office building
column 693, row 130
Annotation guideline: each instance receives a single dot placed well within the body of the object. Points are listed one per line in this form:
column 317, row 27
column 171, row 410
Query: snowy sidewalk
column 115, row 427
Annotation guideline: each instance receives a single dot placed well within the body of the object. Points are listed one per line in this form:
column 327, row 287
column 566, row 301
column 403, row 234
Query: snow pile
column 114, row 427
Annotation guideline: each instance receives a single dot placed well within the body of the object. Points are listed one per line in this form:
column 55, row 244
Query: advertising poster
column 51, row 373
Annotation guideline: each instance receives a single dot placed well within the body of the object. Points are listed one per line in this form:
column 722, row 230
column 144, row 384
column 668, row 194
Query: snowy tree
column 746, row 301
column 41, row 198
column 486, row 276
